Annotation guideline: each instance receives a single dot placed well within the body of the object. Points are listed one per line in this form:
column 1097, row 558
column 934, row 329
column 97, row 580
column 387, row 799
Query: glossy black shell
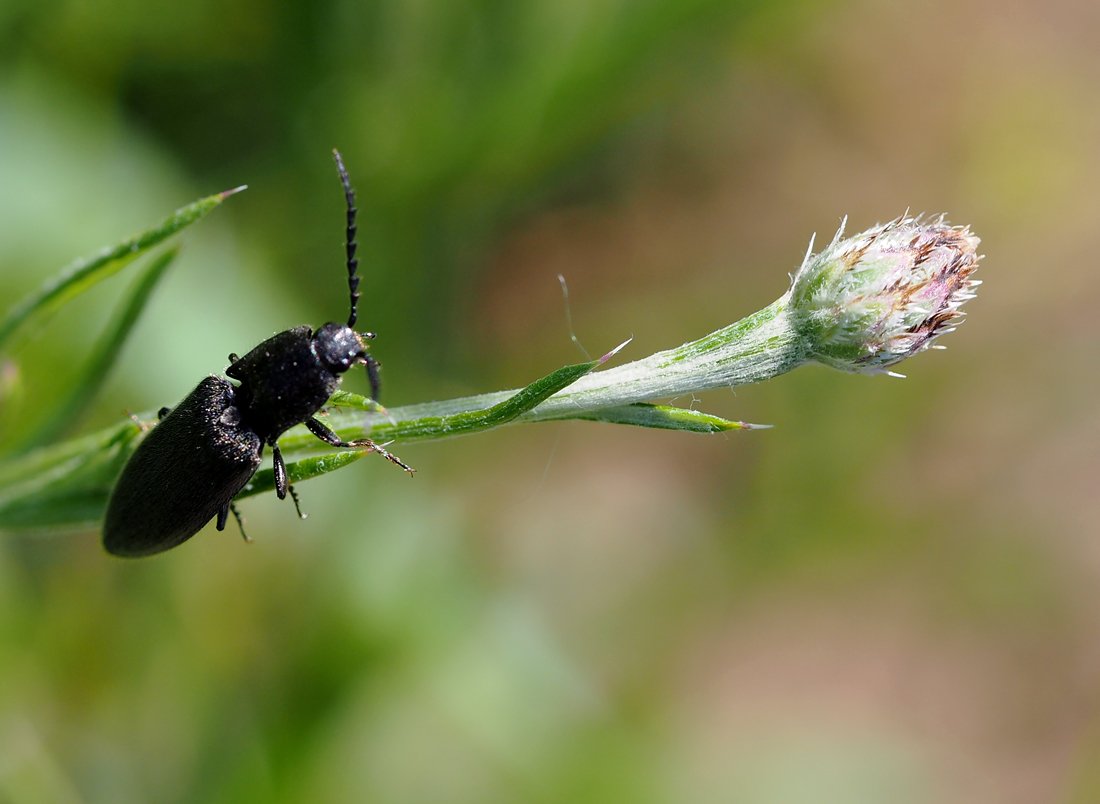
column 185, row 471
column 283, row 383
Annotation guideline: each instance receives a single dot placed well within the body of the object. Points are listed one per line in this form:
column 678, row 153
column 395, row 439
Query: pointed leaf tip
column 614, row 351
column 224, row 194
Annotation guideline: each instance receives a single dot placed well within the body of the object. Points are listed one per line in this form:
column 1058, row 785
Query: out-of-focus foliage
column 890, row 596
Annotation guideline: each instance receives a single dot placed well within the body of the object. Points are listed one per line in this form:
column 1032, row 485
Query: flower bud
column 870, row 301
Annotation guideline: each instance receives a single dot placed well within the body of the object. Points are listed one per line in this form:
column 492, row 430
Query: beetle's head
column 339, row 347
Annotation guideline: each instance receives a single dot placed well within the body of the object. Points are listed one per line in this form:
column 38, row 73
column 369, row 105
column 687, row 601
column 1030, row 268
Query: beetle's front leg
column 334, row 440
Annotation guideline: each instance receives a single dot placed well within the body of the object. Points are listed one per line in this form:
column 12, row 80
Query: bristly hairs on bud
column 868, row 302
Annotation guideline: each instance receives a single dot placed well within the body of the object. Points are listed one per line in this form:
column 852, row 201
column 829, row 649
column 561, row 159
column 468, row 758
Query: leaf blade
column 663, row 417
column 300, row 470
column 88, row 271
column 65, row 485
column 103, row 356
column 445, row 426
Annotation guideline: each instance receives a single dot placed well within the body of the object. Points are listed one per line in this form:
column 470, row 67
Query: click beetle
column 204, row 451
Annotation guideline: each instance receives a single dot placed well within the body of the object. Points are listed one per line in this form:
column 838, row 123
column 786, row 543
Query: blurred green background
column 892, row 596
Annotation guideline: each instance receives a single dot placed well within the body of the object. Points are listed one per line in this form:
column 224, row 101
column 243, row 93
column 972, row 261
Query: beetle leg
column 280, row 472
column 282, row 485
column 372, row 375
column 332, row 439
column 163, row 412
column 240, row 522
column 223, row 516
column 297, row 503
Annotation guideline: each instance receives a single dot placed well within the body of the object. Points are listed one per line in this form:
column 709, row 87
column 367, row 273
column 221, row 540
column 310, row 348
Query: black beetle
column 193, row 463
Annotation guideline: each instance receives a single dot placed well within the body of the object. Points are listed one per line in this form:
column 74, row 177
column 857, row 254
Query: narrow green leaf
column 67, row 484
column 346, row 399
column 86, row 272
column 84, row 387
column 302, row 469
column 663, row 417
column 453, row 424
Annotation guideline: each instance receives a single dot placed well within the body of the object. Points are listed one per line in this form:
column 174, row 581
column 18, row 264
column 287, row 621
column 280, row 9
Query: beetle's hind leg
column 297, row 504
column 334, row 440
column 282, row 484
column 223, row 516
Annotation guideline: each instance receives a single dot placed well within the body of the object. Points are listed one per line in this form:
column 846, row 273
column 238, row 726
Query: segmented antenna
column 353, row 263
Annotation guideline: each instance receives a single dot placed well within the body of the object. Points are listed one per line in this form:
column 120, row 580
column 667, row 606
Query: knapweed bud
column 870, row 301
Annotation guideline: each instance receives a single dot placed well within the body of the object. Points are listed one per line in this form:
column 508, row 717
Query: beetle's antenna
column 353, row 263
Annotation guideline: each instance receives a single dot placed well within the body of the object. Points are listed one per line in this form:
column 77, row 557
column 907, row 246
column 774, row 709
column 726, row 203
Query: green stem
column 756, row 348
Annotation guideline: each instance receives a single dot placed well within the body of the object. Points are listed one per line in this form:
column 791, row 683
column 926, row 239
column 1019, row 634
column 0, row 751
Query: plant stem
column 756, row 348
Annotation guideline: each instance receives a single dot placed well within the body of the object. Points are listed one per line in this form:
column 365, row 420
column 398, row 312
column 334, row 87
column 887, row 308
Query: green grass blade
column 302, row 469
column 664, row 417
column 86, row 272
column 67, row 484
column 346, row 399
column 103, row 357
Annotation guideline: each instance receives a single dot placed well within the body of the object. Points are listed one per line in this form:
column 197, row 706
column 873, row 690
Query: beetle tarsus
column 330, row 438
column 223, row 517
column 240, row 522
column 297, row 502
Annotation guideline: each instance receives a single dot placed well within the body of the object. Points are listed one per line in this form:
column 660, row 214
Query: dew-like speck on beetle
column 204, row 451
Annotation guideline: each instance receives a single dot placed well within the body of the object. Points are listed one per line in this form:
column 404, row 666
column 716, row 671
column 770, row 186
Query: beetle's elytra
column 203, row 452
